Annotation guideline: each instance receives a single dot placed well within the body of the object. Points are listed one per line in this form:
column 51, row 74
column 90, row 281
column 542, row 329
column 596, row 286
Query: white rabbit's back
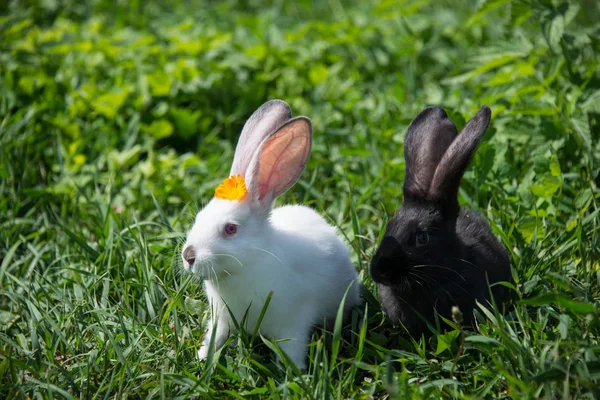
column 302, row 219
column 320, row 255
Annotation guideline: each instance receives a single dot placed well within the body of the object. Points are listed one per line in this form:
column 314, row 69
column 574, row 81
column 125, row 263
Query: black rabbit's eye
column 422, row 238
column 230, row 229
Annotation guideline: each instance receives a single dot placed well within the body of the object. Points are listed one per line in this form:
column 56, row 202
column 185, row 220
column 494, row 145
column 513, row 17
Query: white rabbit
column 244, row 249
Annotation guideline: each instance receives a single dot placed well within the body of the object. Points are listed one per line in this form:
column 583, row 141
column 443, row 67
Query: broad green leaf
column 159, row 129
column 583, row 198
column 195, row 307
column 119, row 159
column 109, row 104
column 7, row 319
column 563, row 326
column 547, row 186
column 257, row 52
column 583, row 132
column 185, row 121
column 318, row 74
column 512, row 73
column 159, row 83
column 530, row 228
column 446, row 340
column 555, row 168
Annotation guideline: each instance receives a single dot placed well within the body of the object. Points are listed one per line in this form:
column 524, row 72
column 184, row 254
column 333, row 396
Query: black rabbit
column 435, row 254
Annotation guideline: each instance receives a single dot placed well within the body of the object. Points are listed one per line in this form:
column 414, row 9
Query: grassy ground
column 118, row 119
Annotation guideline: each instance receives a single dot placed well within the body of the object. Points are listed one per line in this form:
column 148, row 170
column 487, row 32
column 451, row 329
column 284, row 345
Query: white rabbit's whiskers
column 269, row 253
column 229, row 255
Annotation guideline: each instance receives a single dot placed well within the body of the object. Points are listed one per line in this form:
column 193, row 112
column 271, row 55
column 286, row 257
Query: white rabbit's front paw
column 296, row 351
column 202, row 352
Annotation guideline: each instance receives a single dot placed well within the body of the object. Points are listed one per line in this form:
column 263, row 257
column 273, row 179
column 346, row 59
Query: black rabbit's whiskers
column 440, row 286
column 467, row 262
column 441, row 267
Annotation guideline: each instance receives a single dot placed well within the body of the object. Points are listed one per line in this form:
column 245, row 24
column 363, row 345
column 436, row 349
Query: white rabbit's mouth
column 200, row 266
column 208, row 267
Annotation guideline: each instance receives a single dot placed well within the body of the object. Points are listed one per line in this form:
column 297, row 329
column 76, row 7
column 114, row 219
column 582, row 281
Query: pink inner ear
column 263, row 122
column 282, row 159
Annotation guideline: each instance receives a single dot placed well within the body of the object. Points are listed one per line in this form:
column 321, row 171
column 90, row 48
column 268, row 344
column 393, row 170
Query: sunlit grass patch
column 118, row 121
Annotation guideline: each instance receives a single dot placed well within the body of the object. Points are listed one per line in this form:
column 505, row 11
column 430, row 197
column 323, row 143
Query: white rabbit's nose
column 189, row 255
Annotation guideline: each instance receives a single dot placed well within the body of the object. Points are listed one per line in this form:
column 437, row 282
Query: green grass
column 118, row 119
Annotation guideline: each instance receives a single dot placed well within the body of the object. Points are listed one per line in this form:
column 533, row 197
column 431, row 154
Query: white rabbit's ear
column 279, row 162
column 263, row 122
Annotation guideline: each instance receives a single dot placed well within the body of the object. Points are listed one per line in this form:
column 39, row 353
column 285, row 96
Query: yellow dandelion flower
column 232, row 188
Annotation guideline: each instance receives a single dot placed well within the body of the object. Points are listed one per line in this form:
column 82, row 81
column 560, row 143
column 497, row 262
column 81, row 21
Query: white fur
column 290, row 250
column 293, row 253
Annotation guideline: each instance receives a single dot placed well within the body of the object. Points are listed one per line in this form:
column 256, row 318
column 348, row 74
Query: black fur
column 461, row 254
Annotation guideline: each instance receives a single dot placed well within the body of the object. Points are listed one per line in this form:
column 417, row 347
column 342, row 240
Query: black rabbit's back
column 485, row 251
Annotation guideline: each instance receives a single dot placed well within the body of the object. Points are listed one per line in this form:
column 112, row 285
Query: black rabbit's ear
column 449, row 172
column 428, row 137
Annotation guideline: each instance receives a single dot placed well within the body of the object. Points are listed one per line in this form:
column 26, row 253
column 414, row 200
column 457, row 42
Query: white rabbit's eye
column 422, row 238
column 230, row 229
